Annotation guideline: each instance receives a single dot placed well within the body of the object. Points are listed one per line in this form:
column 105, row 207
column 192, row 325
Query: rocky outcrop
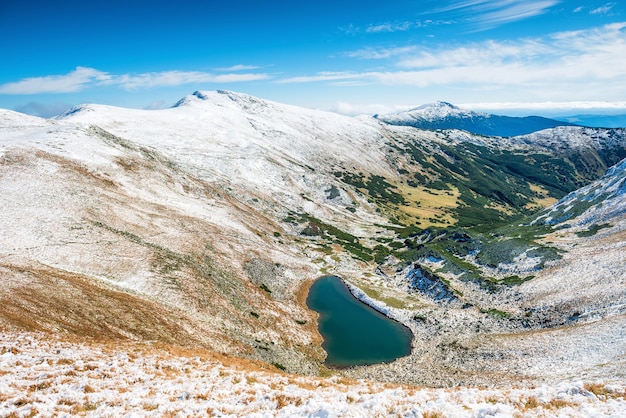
column 430, row 285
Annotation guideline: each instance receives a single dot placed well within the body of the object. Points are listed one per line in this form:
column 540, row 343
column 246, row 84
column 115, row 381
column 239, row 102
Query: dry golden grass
column 11, row 350
column 76, row 306
column 597, row 389
column 426, row 204
column 150, row 406
column 67, row 401
column 286, row 400
column 84, row 407
column 432, row 414
column 543, row 200
column 532, row 402
column 558, row 404
column 601, row 391
column 39, row 386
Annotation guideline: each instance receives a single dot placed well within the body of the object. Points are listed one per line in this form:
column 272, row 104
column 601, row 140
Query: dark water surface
column 354, row 333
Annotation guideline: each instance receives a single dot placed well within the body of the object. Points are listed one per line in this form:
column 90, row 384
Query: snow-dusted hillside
column 443, row 115
column 203, row 224
column 598, row 203
column 53, row 377
column 225, row 135
column 590, row 228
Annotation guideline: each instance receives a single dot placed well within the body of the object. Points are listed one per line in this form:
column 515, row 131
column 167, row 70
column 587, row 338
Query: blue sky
column 347, row 56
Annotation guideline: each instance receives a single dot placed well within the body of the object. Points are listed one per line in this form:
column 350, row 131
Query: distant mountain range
column 443, row 115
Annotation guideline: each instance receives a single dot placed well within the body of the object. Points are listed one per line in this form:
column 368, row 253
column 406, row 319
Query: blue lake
column 354, row 333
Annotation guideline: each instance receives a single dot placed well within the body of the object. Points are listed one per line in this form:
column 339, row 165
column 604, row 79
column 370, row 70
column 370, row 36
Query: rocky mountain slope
column 203, row 225
column 443, row 115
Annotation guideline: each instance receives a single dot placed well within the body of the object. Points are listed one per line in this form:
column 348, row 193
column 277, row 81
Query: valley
column 204, row 225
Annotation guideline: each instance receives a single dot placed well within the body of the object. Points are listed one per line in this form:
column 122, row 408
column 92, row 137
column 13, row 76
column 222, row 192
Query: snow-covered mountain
column 443, row 115
column 203, row 225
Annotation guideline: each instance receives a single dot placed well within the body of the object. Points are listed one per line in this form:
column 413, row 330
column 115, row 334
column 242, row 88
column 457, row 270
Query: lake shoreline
column 354, row 332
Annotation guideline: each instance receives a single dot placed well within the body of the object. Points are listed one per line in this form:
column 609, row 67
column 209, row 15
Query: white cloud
column 79, row 79
column 380, row 53
column 161, row 79
column 486, row 14
column 239, row 77
column 83, row 78
column 486, row 53
column 603, row 9
column 178, row 78
column 575, row 105
column 323, row 76
column 391, row 27
column 566, row 65
column 239, row 67
column 499, row 12
column 352, row 109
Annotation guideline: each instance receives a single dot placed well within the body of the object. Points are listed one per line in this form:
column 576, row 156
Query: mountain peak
column 437, row 105
column 199, row 96
column 434, row 111
column 444, row 115
column 196, row 96
column 76, row 110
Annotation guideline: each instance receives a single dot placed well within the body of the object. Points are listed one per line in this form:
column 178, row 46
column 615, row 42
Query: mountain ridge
column 443, row 115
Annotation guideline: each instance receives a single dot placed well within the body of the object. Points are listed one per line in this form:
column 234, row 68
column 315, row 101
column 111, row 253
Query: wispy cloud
column 238, row 67
column 380, row 53
column 239, row 77
column 488, row 53
column 346, row 108
column 74, row 81
column 323, row 77
column 575, row 105
column 178, row 78
column 82, row 78
column 565, row 64
column 487, row 14
column 603, row 9
column 392, row 27
column 159, row 79
column 496, row 13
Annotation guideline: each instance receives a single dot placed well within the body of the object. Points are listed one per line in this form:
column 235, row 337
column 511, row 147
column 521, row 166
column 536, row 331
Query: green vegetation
column 495, row 186
column 389, row 301
column 332, row 235
column 593, row 229
column 462, row 205
column 496, row 313
column 375, row 186
column 279, row 366
column 515, row 280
